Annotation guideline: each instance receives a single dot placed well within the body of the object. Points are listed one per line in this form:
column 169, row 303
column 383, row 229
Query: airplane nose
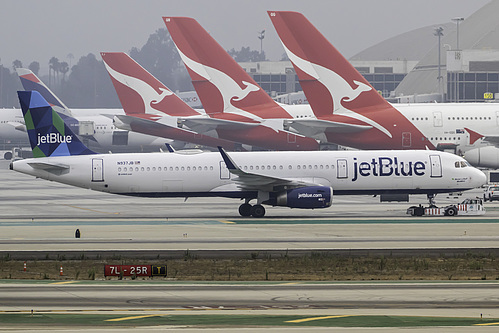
column 479, row 179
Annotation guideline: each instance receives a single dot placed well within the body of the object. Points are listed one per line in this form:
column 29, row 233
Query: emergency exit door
column 97, row 170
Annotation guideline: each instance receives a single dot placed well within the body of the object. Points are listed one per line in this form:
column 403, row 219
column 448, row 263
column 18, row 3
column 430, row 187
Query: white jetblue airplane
column 291, row 179
column 340, row 96
column 93, row 125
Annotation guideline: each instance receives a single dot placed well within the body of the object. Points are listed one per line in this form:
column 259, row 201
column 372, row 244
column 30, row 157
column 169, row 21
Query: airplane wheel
column 451, row 211
column 245, row 209
column 257, row 211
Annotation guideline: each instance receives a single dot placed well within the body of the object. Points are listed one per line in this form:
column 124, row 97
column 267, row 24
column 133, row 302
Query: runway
column 73, row 296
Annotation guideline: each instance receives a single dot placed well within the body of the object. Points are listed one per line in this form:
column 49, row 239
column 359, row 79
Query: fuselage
column 206, row 174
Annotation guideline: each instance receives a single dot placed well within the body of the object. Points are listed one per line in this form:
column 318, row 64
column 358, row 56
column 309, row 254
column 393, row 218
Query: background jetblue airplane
column 94, row 126
column 292, row 179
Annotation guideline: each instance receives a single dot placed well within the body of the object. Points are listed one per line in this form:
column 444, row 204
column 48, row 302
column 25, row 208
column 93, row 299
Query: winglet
column 47, row 132
column 474, row 136
column 170, row 148
column 228, row 161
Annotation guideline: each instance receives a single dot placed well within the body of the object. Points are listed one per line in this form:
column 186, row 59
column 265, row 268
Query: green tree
column 34, row 67
column 88, row 85
column 17, row 64
column 160, row 57
column 246, row 54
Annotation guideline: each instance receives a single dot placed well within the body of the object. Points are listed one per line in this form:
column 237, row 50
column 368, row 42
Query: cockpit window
column 461, row 164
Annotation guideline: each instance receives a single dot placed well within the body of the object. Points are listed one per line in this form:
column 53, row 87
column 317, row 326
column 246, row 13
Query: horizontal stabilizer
column 18, row 126
column 315, row 128
column 203, row 125
column 49, row 166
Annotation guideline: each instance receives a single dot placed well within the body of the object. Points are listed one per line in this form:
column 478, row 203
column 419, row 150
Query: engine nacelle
column 486, row 157
column 303, row 197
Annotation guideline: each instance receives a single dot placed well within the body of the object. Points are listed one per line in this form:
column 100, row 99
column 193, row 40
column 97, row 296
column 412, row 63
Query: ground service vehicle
column 467, row 207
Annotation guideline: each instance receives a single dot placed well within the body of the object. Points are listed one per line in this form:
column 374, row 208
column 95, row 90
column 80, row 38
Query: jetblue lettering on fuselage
column 387, row 166
column 54, row 138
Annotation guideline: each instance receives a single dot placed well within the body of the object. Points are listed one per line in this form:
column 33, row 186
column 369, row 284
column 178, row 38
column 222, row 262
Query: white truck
column 467, row 207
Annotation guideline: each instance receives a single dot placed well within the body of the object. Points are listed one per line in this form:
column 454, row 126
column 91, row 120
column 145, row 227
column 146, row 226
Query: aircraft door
column 291, row 138
column 97, row 170
column 437, row 119
column 342, row 170
column 406, row 139
column 224, row 172
column 436, row 166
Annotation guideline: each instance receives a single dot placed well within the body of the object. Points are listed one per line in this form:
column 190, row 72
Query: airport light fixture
column 439, row 33
column 457, row 20
column 261, row 36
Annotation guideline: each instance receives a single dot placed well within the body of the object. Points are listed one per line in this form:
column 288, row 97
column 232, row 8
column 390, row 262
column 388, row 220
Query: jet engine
column 304, row 197
column 486, row 157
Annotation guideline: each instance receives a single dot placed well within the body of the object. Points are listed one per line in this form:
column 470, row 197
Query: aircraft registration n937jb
column 303, row 179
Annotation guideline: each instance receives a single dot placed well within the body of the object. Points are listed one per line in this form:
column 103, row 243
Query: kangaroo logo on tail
column 228, row 88
column 339, row 89
column 148, row 94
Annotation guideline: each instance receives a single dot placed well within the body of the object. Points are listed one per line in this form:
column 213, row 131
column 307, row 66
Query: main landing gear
column 246, row 209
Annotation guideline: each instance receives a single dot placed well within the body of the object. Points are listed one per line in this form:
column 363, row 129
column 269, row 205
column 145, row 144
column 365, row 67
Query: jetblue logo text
column 54, row 138
column 309, row 195
column 386, row 166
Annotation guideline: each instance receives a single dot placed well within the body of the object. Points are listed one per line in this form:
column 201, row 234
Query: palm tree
column 53, row 66
column 63, row 68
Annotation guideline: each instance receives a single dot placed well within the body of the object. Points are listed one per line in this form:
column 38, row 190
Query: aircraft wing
column 253, row 181
column 203, row 125
column 492, row 139
column 314, row 128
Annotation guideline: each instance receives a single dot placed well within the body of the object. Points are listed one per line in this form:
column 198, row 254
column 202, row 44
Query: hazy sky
column 36, row 30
